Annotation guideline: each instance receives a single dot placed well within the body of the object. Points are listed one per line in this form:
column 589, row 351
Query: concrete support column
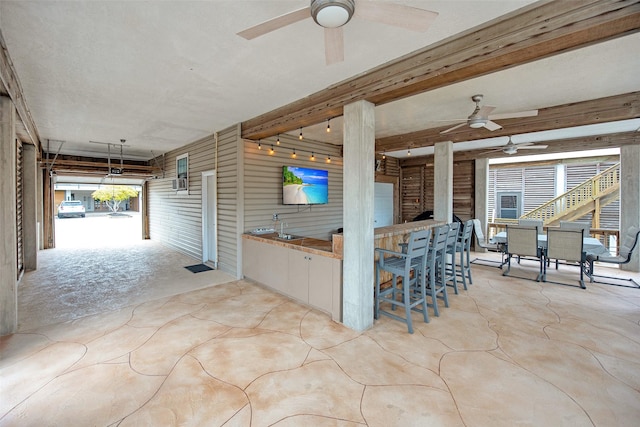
column 30, row 206
column 630, row 197
column 443, row 181
column 8, row 238
column 481, row 194
column 358, row 191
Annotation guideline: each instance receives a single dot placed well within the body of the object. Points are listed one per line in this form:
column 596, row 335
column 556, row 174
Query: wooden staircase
column 589, row 197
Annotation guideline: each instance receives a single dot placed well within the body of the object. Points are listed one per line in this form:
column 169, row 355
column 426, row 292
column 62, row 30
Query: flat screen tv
column 304, row 186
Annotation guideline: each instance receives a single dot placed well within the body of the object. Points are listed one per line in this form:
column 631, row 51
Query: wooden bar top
column 406, row 228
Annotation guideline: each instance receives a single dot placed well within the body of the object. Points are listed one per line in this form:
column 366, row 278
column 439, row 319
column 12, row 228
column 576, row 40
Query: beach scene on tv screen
column 304, row 186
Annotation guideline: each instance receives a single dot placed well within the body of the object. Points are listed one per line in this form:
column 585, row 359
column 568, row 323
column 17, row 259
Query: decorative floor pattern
column 507, row 352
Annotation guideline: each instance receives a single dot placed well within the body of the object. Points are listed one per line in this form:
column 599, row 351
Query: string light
column 271, row 151
column 278, row 140
column 294, row 155
column 259, row 145
column 300, row 137
column 328, row 159
column 384, row 156
column 328, row 126
column 409, row 152
column 313, row 157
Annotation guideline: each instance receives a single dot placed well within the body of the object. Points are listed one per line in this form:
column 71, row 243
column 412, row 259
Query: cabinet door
column 298, row 283
column 250, row 259
column 321, row 282
column 274, row 263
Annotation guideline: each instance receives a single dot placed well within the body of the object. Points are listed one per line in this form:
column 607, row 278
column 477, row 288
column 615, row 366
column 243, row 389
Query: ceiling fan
column 511, row 148
column 480, row 117
column 333, row 14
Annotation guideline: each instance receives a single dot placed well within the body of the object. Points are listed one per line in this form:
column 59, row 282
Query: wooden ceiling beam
column 586, row 143
column 536, row 31
column 603, row 110
column 28, row 131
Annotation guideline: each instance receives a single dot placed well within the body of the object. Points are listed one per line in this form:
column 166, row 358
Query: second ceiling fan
column 333, row 14
column 481, row 117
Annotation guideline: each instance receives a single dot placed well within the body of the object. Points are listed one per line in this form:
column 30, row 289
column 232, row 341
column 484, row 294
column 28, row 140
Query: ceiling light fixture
column 313, row 157
column 300, row 136
column 271, row 151
column 294, row 155
column 332, row 13
column 328, row 126
column 259, row 145
column 384, row 156
column 328, row 159
column 408, row 151
column 278, row 140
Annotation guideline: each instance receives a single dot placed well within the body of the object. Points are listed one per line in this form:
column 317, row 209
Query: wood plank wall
column 417, row 196
column 263, row 187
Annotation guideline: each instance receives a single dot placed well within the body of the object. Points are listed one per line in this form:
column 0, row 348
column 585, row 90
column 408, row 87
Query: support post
column 630, row 197
column 30, row 206
column 443, row 181
column 481, row 194
column 358, row 197
column 8, row 238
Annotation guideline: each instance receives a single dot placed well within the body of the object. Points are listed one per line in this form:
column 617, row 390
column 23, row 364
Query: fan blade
column 454, row 128
column 410, row 18
column 531, row 147
column 275, row 23
column 492, row 125
column 484, row 111
column 530, row 113
column 333, row 45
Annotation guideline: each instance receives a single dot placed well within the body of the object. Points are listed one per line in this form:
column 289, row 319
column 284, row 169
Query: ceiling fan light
column 477, row 123
column 332, row 13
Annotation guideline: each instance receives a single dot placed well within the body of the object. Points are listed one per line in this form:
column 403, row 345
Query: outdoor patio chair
column 523, row 242
column 574, row 225
column 629, row 244
column 567, row 246
column 482, row 243
column 408, row 265
column 537, row 223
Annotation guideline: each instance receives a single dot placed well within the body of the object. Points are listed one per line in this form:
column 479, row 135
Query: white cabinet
column 307, row 277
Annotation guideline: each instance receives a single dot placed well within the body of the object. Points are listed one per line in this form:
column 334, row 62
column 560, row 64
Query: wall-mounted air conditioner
column 179, row 184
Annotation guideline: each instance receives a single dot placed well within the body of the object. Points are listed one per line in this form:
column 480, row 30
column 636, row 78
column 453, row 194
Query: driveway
column 99, row 229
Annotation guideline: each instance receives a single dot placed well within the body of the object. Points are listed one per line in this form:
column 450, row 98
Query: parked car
column 71, row 208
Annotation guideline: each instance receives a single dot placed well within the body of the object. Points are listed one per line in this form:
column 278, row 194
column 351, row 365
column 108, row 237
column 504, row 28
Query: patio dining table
column 590, row 245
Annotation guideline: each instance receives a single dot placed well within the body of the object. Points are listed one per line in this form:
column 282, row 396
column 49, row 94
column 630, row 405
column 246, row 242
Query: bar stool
column 435, row 266
column 409, row 265
column 464, row 249
column 452, row 250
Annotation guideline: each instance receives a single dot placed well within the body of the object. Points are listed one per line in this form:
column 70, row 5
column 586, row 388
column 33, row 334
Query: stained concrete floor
column 101, row 264
column 146, row 342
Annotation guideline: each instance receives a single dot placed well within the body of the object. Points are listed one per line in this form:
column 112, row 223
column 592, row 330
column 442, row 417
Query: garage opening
column 105, row 213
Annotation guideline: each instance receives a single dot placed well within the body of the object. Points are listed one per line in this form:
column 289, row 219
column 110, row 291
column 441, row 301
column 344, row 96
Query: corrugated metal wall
column 263, row 187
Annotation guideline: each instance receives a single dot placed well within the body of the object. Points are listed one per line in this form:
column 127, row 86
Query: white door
column 209, row 218
column 383, row 204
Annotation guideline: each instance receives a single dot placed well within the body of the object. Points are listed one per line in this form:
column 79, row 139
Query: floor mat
column 198, row 268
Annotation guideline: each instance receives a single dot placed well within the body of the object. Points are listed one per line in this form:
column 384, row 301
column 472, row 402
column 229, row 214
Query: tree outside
column 114, row 195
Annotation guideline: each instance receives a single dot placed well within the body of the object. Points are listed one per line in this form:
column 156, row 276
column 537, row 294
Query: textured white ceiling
column 161, row 74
